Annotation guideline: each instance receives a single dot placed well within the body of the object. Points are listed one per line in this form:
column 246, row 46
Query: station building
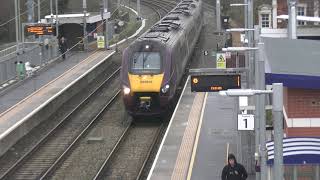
column 295, row 63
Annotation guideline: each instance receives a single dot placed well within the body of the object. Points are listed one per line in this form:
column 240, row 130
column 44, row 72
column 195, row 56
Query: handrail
column 13, row 49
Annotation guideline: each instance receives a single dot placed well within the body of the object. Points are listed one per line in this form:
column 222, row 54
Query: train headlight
column 165, row 89
column 126, row 90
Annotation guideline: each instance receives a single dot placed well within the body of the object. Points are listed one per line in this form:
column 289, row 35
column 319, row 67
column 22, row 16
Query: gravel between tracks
column 28, row 141
column 88, row 156
column 127, row 161
column 43, row 157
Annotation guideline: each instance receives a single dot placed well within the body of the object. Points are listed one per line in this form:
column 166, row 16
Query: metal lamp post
column 106, row 33
column 218, row 15
column 260, row 131
column 84, row 5
column 277, row 104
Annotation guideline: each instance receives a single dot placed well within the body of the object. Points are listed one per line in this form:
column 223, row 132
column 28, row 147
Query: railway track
column 131, row 153
column 160, row 7
column 43, row 155
column 47, row 155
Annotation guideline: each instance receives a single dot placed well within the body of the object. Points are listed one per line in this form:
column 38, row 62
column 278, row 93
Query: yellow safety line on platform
column 195, row 147
column 182, row 163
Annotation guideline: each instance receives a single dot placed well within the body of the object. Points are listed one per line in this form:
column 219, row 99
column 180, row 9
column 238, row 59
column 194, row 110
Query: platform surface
column 209, row 136
column 13, row 116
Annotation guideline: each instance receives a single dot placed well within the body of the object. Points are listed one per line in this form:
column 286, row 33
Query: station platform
column 201, row 133
column 62, row 83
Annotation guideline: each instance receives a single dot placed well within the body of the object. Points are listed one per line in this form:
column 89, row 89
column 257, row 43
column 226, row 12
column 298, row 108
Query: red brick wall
column 303, row 132
column 282, row 10
column 303, row 103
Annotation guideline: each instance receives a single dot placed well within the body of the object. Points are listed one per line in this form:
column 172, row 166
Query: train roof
column 173, row 23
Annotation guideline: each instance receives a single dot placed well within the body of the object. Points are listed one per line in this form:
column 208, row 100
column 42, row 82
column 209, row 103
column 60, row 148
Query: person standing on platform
column 63, row 47
column 233, row 170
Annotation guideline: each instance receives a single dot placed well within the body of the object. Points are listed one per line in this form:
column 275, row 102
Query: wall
column 303, row 103
column 304, row 132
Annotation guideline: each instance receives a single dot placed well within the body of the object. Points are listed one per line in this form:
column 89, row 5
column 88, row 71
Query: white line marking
column 165, row 136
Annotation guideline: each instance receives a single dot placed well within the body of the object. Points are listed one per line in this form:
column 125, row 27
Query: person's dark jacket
column 63, row 46
column 237, row 172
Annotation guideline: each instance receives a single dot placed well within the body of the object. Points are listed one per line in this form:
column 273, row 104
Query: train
column 154, row 64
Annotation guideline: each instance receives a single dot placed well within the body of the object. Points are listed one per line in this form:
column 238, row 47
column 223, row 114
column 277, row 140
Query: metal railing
column 8, row 51
column 12, row 49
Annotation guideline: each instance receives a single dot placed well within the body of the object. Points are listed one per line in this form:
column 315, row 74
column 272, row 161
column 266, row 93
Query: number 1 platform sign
column 245, row 122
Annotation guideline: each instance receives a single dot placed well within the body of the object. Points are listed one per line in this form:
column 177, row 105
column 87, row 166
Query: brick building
column 268, row 13
column 298, row 69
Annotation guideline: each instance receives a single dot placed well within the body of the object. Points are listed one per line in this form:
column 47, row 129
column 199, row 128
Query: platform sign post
column 245, row 122
column 100, row 42
column 221, row 62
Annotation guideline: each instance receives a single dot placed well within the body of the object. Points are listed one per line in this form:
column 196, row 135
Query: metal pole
column 30, row 11
column 17, row 27
column 289, row 17
column 257, row 114
column 277, row 100
column 51, row 11
column 246, row 54
column 138, row 9
column 39, row 11
column 295, row 172
column 84, row 3
column 57, row 20
column 106, row 39
column 317, row 171
column 292, row 26
column 262, row 112
column 218, row 16
column 237, row 60
column 250, row 41
column 274, row 14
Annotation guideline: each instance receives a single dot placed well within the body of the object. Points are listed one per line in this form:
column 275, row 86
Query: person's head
column 232, row 160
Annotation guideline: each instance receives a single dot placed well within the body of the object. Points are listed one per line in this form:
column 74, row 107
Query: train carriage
column 153, row 65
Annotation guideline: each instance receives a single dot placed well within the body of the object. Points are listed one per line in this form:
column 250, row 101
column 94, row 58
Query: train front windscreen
column 146, row 63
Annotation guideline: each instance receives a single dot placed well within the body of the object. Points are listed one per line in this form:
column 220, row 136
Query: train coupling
column 145, row 103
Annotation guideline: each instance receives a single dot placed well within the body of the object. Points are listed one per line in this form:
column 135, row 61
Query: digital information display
column 214, row 83
column 39, row 29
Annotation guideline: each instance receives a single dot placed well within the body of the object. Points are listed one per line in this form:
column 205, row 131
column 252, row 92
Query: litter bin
column 20, row 69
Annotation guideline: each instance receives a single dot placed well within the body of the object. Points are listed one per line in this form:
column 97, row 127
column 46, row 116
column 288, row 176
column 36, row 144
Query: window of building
column 265, row 20
column 302, row 11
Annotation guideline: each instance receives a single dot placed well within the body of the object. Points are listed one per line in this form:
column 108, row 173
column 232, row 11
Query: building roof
column 295, row 63
column 77, row 18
